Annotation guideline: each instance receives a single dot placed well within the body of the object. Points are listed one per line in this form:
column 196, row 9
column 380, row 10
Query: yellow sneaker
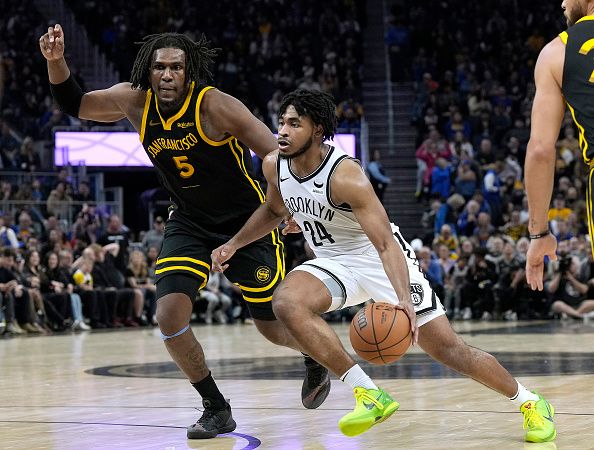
column 373, row 407
column 538, row 420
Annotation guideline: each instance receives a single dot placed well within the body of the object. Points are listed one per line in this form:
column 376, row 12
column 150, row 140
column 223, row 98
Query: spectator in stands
column 441, row 175
column 8, row 148
column 151, row 255
column 466, row 181
column 154, row 237
column 28, row 158
column 515, row 229
column 449, row 212
column 11, row 293
column 125, row 305
column 60, row 281
column 559, row 211
column 83, row 195
column 432, row 268
column 511, row 275
column 218, row 303
column 51, row 300
column 93, row 305
column 448, row 238
column 461, row 147
column 25, row 313
column 8, row 237
column 25, row 228
column 137, row 277
column 492, row 185
column 455, row 125
column 467, row 221
column 477, row 292
column 117, row 233
column 568, row 291
column 485, row 156
column 484, row 228
column 349, row 113
column 36, row 192
column 50, row 120
column 562, row 230
column 58, row 201
column 6, row 195
column 377, row 175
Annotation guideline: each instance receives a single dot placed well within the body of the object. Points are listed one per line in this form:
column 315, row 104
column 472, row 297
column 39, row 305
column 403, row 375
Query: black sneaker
column 316, row 385
column 212, row 422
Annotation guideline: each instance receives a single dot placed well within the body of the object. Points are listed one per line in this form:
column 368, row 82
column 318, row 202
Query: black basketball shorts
column 184, row 264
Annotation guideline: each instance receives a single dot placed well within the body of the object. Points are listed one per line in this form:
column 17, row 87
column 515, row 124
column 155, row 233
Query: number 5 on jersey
column 186, row 169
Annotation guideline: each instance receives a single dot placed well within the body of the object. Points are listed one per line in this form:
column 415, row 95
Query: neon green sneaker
column 538, row 420
column 373, row 407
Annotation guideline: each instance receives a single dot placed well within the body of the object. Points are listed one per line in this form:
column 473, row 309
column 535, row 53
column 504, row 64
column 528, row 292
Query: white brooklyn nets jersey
column 346, row 261
column 329, row 229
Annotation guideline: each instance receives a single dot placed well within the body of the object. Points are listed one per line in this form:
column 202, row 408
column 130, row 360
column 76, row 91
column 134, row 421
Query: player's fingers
column 50, row 34
column 539, row 283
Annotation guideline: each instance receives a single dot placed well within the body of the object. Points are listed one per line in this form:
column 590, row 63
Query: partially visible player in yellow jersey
column 564, row 74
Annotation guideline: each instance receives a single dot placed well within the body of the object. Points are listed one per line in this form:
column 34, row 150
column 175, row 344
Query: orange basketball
column 380, row 333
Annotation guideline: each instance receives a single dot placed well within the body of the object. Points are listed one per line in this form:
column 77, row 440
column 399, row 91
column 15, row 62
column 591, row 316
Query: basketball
column 380, row 333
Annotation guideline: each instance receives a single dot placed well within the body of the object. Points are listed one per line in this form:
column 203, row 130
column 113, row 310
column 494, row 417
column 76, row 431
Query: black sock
column 207, row 388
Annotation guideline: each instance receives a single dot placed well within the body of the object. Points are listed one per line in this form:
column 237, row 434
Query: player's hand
column 52, row 43
column 409, row 310
column 291, row 226
column 221, row 255
column 538, row 249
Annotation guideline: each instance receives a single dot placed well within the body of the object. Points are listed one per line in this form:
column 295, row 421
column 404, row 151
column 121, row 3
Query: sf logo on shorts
column 263, row 274
column 416, row 294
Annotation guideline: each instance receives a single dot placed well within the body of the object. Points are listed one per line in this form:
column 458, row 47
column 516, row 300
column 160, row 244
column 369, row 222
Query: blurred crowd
column 472, row 66
column 267, row 47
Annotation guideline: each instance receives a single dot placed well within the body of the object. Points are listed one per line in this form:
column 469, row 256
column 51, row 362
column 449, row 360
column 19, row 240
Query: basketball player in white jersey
column 359, row 255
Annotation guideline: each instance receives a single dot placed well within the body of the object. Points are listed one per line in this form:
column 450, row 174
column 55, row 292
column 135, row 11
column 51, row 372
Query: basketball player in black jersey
column 197, row 138
column 564, row 74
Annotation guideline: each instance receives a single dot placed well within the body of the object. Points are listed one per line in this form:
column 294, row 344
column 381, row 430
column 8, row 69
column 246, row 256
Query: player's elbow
column 385, row 245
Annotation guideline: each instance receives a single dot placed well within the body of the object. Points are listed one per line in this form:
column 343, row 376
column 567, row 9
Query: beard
column 573, row 15
column 299, row 152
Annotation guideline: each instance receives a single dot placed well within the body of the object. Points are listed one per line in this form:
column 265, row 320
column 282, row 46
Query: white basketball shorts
column 354, row 279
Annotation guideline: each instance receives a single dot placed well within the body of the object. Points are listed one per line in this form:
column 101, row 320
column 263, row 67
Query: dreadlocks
column 317, row 105
column 199, row 57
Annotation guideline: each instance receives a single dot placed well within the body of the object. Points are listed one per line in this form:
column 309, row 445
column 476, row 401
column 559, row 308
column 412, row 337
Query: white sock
column 356, row 377
column 523, row 395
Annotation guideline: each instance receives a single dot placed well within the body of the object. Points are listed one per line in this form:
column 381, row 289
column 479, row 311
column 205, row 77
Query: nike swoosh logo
column 369, row 406
column 318, row 185
column 284, row 179
column 550, row 416
column 153, row 123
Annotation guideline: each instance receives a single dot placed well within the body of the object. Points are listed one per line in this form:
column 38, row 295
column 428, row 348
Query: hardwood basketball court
column 112, row 390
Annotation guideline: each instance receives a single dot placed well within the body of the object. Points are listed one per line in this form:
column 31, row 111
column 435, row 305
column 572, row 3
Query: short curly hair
column 319, row 106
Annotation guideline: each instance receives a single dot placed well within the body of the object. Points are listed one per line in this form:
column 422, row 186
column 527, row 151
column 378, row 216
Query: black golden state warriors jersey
column 211, row 182
column 578, row 81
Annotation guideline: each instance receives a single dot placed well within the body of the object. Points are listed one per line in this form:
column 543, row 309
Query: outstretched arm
column 547, row 115
column 265, row 219
column 350, row 185
column 106, row 105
